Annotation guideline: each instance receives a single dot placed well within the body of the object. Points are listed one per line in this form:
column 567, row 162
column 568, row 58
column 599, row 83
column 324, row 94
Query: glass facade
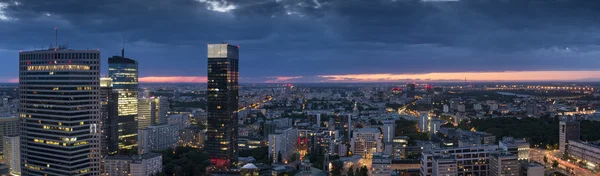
column 60, row 112
column 222, row 106
column 124, row 74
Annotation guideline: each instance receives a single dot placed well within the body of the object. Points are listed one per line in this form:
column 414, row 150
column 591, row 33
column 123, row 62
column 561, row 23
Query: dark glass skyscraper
column 109, row 115
column 124, row 74
column 60, row 112
column 222, row 104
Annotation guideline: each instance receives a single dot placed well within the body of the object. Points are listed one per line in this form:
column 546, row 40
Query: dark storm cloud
column 317, row 37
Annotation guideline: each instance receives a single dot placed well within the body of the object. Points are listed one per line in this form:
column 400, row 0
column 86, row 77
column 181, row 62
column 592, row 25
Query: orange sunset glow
column 470, row 76
column 173, row 79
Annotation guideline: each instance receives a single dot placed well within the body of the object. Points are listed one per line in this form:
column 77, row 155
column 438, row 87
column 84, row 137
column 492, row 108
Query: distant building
column 410, row 87
column 473, row 159
column 519, row 148
column 589, row 153
column 444, row 165
column 139, row 165
column 152, row 111
column 504, row 164
column 9, row 126
column 461, row 108
column 109, row 117
column 531, row 169
column 381, row 165
column 12, row 153
column 389, row 131
column 434, row 126
column 446, row 109
column 283, row 143
column 424, row 121
column 155, row 138
column 399, row 146
column 568, row 130
column 365, row 142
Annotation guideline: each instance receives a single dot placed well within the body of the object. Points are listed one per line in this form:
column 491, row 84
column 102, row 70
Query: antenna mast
column 123, row 49
column 56, row 33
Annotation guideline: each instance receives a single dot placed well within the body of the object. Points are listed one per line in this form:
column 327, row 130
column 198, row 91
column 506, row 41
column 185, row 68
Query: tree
column 351, row 171
column 554, row 163
column 545, row 160
column 338, row 167
column 364, row 171
column 293, row 157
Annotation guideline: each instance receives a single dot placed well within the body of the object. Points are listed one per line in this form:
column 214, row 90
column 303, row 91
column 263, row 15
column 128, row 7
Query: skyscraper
column 60, row 112
column 152, row 111
column 222, row 106
column 124, row 74
column 109, row 115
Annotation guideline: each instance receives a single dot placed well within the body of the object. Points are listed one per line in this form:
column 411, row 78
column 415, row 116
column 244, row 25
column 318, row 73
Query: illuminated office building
column 60, row 111
column 222, row 106
column 108, row 110
column 124, row 74
column 152, row 111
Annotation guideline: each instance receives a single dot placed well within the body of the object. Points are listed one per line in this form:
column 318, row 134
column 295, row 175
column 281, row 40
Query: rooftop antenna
column 56, row 42
column 123, row 49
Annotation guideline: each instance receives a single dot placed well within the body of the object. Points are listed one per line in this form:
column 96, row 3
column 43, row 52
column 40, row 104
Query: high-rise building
column 108, row 101
column 152, row 111
column 423, row 121
column 60, row 112
column 410, row 87
column 124, row 74
column 222, row 105
column 389, row 131
column 156, row 138
column 9, row 126
column 282, row 143
column 568, row 130
column 12, row 155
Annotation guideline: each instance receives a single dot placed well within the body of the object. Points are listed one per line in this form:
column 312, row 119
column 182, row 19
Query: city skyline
column 322, row 40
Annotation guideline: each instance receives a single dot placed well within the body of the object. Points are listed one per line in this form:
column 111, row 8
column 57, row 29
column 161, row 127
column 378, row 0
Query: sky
column 287, row 41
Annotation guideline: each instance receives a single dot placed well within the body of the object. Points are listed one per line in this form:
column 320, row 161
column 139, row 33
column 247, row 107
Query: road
column 538, row 156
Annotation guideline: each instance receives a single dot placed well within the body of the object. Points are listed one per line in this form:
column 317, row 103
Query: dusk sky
column 321, row 40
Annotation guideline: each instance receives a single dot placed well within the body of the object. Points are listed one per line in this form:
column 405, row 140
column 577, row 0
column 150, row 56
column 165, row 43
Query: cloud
column 469, row 76
column 3, row 7
column 173, row 79
column 218, row 5
column 281, row 79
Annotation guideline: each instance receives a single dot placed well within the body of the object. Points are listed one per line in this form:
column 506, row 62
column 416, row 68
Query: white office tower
column 365, row 142
column 60, row 112
column 152, row 111
column 12, row 154
column 424, row 121
column 389, row 131
column 156, row 138
column 446, row 109
column 319, row 120
column 9, row 126
column 434, row 126
column 283, row 142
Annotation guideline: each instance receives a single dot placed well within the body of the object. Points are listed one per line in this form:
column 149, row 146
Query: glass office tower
column 60, row 112
column 124, row 74
column 222, row 106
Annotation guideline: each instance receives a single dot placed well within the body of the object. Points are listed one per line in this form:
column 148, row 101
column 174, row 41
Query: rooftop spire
column 123, row 49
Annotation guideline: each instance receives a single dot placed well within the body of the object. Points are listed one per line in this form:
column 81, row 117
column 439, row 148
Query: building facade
column 589, row 153
column 222, row 104
column 9, row 126
column 472, row 160
column 381, row 165
column 518, row 147
column 445, row 166
column 12, row 153
column 60, row 112
column 109, row 118
column 152, row 111
column 156, row 138
column 568, row 130
column 365, row 142
column 283, row 143
column 139, row 165
column 504, row 164
column 124, row 74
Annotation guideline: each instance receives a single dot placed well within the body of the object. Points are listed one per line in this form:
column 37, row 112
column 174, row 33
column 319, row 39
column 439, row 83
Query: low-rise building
column 365, row 142
column 381, row 165
column 155, row 138
column 589, row 153
column 518, row 147
column 139, row 165
column 444, row 165
column 504, row 164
